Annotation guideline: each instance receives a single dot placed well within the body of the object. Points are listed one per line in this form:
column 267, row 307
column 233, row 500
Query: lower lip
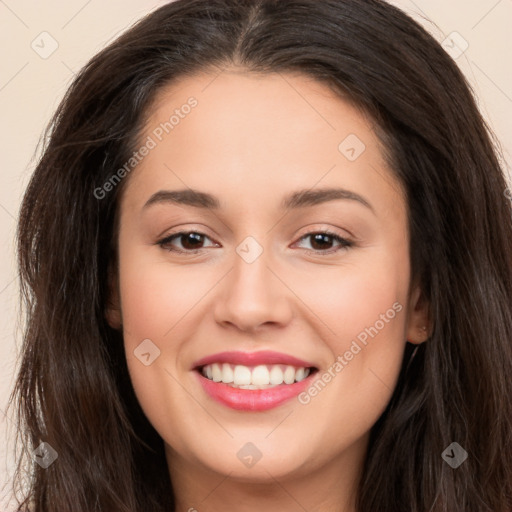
column 253, row 399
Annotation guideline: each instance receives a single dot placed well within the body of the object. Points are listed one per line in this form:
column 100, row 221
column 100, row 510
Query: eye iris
column 191, row 237
column 321, row 238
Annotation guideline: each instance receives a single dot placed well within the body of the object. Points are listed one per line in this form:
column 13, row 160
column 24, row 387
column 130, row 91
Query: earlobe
column 420, row 337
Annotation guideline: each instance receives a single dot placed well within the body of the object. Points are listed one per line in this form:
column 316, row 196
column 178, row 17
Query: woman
column 186, row 351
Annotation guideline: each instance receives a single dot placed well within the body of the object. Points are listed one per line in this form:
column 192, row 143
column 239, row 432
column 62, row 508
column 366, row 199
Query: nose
column 253, row 295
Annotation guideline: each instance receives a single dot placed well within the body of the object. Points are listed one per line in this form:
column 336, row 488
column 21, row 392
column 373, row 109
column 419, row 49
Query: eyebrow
column 298, row 199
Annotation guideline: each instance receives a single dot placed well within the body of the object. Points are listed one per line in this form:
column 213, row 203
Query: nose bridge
column 252, row 293
column 251, row 271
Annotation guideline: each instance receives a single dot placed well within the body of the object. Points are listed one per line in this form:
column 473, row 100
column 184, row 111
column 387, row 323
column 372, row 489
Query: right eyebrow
column 187, row 197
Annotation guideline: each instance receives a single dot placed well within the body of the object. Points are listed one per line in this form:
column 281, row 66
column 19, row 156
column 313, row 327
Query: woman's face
column 264, row 277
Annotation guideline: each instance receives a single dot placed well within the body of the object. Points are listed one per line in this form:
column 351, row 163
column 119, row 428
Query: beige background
column 31, row 88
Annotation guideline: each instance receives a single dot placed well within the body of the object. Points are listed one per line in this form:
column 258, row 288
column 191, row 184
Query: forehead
column 256, row 136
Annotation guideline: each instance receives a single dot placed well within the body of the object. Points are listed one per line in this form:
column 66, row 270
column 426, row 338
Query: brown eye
column 322, row 241
column 190, row 241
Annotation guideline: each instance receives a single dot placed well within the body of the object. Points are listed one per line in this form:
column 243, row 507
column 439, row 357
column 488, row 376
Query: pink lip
column 252, row 359
column 252, row 399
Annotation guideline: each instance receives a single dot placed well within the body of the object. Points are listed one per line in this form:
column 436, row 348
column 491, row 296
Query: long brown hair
column 73, row 390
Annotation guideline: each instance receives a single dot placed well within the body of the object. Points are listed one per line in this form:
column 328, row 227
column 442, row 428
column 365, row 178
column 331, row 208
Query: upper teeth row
column 259, row 375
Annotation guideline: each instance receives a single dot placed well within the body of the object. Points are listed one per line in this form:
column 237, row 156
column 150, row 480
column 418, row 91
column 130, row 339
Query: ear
column 113, row 303
column 418, row 325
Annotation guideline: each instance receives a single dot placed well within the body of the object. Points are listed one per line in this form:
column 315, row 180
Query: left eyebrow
column 312, row 197
column 298, row 199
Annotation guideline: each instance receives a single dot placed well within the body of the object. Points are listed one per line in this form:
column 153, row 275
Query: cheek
column 159, row 303
column 155, row 296
column 362, row 319
column 363, row 300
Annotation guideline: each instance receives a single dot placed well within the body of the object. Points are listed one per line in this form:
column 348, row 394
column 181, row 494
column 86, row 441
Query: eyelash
column 344, row 243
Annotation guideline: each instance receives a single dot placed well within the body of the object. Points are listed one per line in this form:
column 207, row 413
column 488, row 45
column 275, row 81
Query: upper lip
column 253, row 359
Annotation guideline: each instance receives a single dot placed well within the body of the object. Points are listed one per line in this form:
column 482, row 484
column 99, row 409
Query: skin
column 251, row 140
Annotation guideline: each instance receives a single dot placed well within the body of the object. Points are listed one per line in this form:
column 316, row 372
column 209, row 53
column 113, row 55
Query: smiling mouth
column 253, row 381
column 254, row 389
column 255, row 377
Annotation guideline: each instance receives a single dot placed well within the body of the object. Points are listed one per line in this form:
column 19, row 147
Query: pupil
column 191, row 237
column 322, row 238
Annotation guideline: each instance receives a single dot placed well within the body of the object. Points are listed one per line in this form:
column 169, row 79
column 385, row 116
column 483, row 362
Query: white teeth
column 289, row 375
column 276, row 375
column 227, row 373
column 242, row 375
column 216, row 373
column 261, row 376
